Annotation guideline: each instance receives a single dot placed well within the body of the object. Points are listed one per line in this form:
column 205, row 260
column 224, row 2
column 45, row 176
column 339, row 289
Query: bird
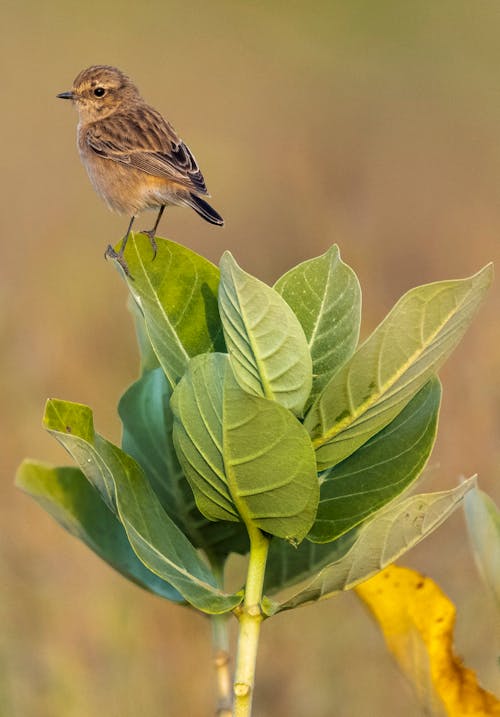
column 132, row 154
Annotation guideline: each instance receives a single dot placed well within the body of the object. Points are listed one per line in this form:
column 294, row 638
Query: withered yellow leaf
column 417, row 620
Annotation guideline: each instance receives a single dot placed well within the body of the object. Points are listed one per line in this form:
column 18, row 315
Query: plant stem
column 220, row 642
column 250, row 618
column 221, row 662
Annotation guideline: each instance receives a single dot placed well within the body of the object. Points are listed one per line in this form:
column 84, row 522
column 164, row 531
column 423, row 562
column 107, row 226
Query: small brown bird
column 133, row 156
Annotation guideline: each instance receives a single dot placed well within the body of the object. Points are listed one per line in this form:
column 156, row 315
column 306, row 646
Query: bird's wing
column 142, row 139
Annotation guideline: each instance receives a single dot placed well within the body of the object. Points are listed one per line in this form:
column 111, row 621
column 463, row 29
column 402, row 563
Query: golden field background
column 374, row 124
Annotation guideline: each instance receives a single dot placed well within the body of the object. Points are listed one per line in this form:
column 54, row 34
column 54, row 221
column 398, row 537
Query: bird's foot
column 110, row 253
column 150, row 233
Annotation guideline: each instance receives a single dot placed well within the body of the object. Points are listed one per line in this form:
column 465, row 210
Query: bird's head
column 99, row 91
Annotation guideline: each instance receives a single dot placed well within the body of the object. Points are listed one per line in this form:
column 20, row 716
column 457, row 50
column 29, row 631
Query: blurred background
column 372, row 124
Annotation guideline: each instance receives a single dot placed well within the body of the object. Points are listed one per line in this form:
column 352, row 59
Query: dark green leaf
column 380, row 470
column 67, row 495
column 359, row 486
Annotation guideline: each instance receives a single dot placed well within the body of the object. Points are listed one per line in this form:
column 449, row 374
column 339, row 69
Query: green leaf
column 154, row 537
column 245, row 457
column 177, row 295
column 147, row 436
column 67, row 495
column 73, row 426
column 149, row 360
column 483, row 525
column 379, row 542
column 392, row 365
column 147, row 428
column 288, row 565
column 325, row 295
column 380, row 470
column 267, row 345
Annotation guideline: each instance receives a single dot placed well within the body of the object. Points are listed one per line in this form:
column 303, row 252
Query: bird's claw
column 110, row 253
column 150, row 233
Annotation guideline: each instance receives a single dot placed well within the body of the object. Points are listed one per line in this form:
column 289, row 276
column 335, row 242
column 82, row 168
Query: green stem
column 220, row 642
column 250, row 618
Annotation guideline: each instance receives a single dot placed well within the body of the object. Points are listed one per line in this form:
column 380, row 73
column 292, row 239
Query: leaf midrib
column 264, row 379
column 375, row 398
column 157, row 302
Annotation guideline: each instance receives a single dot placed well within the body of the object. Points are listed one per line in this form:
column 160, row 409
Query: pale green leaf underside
column 269, row 352
column 392, row 365
column 288, row 565
column 380, row 470
column 68, row 497
column 325, row 295
column 147, row 436
column 247, row 458
column 379, row 542
column 483, row 525
column 154, row 537
column 177, row 295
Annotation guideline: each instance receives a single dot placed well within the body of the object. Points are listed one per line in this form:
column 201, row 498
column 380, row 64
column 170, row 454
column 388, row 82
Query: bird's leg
column 151, row 233
column 110, row 253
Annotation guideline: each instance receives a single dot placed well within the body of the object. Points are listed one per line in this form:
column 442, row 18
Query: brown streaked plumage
column 133, row 156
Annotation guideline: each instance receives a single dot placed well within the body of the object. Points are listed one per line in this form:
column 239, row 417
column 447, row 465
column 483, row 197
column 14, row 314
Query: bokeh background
column 374, row 124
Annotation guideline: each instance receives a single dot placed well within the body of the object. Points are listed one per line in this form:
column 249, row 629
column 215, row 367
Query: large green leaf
column 380, row 541
column 147, row 436
column 246, row 458
column 392, row 365
column 325, row 295
column 147, row 428
column 68, row 496
column 154, row 537
column 355, row 488
column 267, row 345
column 380, row 470
column 177, row 294
column 483, row 525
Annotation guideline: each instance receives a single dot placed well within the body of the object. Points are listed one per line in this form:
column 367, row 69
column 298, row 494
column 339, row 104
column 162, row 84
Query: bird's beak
column 66, row 96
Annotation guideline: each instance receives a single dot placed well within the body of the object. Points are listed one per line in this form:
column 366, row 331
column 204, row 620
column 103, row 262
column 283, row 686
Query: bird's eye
column 99, row 91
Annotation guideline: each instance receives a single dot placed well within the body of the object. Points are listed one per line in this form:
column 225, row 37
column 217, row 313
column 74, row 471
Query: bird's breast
column 125, row 189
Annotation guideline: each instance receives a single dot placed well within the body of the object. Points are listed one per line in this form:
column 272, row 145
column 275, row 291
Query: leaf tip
column 333, row 252
column 21, row 472
column 67, row 417
column 227, row 259
column 488, row 272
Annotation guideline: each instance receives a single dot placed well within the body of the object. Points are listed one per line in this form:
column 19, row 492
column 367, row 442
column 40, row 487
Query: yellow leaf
column 417, row 620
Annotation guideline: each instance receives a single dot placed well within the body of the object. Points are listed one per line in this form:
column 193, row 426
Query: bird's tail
column 204, row 209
